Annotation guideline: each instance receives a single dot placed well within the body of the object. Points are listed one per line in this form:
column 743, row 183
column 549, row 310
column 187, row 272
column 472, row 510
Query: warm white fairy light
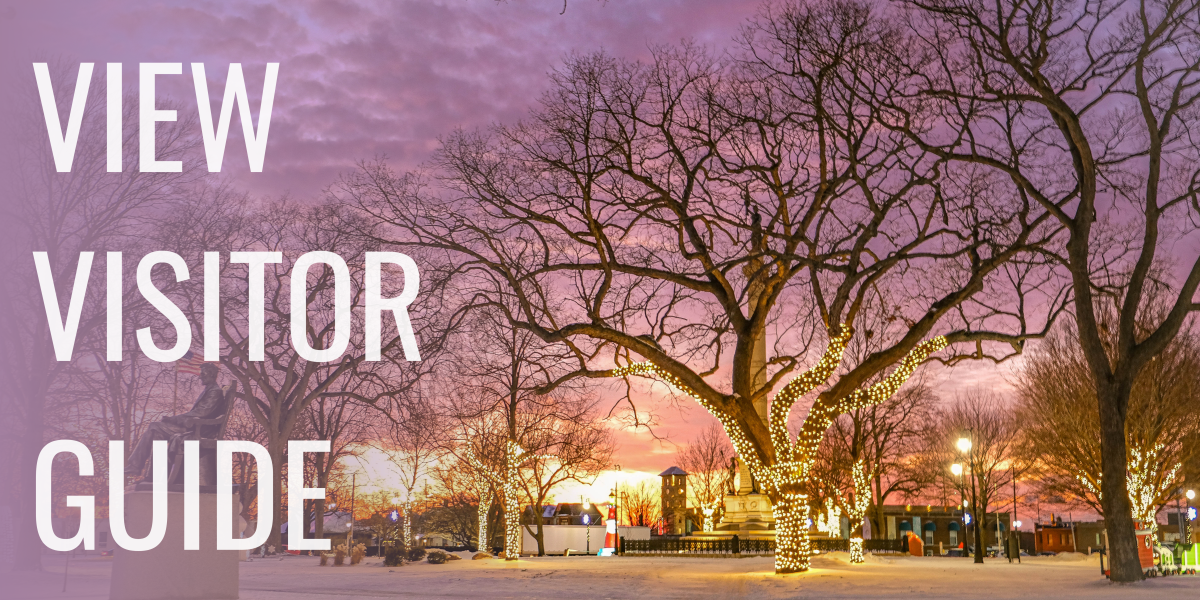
column 830, row 520
column 514, row 457
column 484, row 490
column 1140, row 480
column 856, row 509
column 784, row 480
column 408, row 538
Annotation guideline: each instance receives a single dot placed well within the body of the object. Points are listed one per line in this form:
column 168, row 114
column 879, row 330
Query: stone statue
column 210, row 405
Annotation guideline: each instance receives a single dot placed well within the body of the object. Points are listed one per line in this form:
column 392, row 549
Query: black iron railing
column 735, row 546
column 719, row 546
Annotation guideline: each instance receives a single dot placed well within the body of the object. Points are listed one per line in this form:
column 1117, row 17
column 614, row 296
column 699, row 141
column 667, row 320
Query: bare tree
column 1062, row 433
column 868, row 455
column 988, row 462
column 521, row 416
column 416, row 437
column 1087, row 109
column 63, row 214
column 642, row 503
column 660, row 217
column 279, row 386
column 706, row 459
column 572, row 443
column 345, row 424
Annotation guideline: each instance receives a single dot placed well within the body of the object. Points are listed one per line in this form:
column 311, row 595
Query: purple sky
column 361, row 79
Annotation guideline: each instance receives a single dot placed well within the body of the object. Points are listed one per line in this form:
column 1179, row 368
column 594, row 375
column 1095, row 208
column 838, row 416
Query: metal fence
column 721, row 546
column 735, row 546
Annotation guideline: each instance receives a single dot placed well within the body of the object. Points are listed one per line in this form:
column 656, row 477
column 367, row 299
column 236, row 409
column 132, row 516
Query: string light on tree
column 1143, row 480
column 786, row 480
column 508, row 484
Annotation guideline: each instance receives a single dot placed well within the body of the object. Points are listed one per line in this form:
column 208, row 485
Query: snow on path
column 592, row 578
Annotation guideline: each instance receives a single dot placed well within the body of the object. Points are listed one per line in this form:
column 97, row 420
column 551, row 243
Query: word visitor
column 63, row 332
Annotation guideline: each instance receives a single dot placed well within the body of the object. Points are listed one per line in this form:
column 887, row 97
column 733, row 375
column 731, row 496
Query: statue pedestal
column 747, row 516
column 169, row 572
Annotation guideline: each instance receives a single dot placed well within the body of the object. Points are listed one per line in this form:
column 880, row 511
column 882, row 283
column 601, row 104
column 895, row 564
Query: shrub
column 394, row 556
column 416, row 554
column 356, row 556
column 324, row 559
column 437, row 557
column 339, row 555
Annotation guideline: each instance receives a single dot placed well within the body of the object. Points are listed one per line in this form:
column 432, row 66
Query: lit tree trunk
column 786, row 479
column 512, row 507
column 514, row 457
column 408, row 538
column 856, row 510
column 485, row 505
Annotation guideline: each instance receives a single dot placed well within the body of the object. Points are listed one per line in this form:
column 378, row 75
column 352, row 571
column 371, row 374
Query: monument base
column 747, row 516
column 168, row 572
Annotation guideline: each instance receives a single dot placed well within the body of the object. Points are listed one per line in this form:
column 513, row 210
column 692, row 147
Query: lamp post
column 957, row 470
column 587, row 520
column 964, row 446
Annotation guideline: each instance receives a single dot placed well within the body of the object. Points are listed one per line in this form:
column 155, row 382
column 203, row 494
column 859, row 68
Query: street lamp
column 964, row 446
column 956, row 469
column 587, row 520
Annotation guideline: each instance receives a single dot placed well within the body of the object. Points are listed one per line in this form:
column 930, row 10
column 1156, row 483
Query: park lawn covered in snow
column 646, row 577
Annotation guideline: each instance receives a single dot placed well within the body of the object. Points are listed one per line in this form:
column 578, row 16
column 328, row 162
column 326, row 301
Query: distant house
column 564, row 513
column 336, row 525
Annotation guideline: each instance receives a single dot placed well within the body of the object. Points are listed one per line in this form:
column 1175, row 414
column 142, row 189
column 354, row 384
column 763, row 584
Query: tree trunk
column 485, row 506
column 977, row 525
column 856, row 541
column 319, row 512
column 276, row 451
column 540, row 536
column 512, row 526
column 791, row 533
column 1123, row 559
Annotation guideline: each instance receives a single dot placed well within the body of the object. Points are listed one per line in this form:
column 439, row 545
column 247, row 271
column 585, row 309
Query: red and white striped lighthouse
column 610, row 532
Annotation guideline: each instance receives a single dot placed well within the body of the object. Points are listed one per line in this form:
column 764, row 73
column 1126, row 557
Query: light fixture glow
column 964, row 444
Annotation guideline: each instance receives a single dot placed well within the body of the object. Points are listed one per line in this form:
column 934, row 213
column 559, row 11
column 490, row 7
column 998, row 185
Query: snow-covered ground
column 589, row 577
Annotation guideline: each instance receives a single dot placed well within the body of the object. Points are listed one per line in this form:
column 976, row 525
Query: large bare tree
column 664, row 218
column 1087, row 109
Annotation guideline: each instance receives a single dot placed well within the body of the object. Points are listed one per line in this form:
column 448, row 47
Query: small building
column 564, row 513
column 939, row 526
column 674, row 501
column 1055, row 536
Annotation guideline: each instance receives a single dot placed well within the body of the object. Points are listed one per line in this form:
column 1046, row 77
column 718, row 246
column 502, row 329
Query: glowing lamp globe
column 1191, row 494
column 964, row 444
column 1017, row 524
column 956, row 469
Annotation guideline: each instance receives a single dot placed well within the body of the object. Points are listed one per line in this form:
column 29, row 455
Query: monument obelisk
column 748, row 511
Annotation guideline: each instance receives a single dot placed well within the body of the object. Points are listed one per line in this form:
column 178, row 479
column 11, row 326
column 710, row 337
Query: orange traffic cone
column 610, row 533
